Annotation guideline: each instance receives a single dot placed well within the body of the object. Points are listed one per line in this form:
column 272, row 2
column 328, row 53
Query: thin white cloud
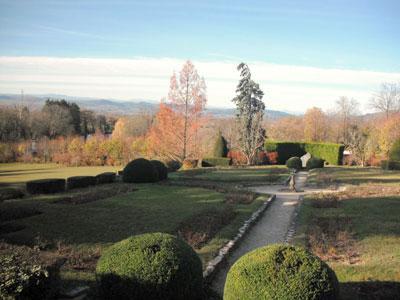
column 286, row 87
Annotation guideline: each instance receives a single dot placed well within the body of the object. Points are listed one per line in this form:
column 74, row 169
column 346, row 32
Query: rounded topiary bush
column 140, row 170
column 280, row 272
column 161, row 169
column 294, row 163
column 314, row 163
column 150, row 266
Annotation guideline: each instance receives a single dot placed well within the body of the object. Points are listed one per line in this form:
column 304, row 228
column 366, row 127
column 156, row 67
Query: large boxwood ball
column 150, row 266
column 314, row 163
column 294, row 163
column 161, row 169
column 280, row 272
column 140, row 171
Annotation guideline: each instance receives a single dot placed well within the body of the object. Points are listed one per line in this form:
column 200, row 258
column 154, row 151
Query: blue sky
column 348, row 35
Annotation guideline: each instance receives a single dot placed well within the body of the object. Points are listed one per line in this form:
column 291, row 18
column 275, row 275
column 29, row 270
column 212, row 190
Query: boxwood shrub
column 314, row 163
column 330, row 152
column 390, row 165
column 140, row 171
column 45, row 186
column 280, row 272
column 294, row 163
column 10, row 193
column 75, row 182
column 215, row 161
column 150, row 266
column 161, row 169
column 106, row 177
column 394, row 153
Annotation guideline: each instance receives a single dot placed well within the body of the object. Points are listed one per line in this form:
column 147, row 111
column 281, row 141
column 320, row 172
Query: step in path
column 271, row 228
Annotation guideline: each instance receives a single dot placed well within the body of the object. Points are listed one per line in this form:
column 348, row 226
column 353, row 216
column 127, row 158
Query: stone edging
column 215, row 263
column 293, row 224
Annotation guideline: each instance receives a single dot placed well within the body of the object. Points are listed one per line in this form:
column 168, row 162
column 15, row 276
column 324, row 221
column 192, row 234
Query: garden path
column 271, row 228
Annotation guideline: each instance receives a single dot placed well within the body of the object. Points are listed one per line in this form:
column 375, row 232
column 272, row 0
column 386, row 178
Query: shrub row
column 57, row 185
column 390, row 165
column 331, row 153
column 45, row 186
column 142, row 170
column 215, row 161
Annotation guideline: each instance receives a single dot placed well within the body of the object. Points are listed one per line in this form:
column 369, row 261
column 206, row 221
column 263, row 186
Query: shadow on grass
column 370, row 290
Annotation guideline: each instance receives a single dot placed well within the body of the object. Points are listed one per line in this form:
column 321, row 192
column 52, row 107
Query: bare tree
column 346, row 110
column 387, row 100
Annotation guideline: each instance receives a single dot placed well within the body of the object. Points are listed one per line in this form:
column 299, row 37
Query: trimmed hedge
column 161, row 169
column 140, row 171
column 281, row 272
column 45, row 186
column 390, row 165
column 331, row 153
column 76, row 182
column 294, row 163
column 10, row 193
column 173, row 165
column 314, row 163
column 150, row 266
column 106, row 177
column 220, row 146
column 215, row 161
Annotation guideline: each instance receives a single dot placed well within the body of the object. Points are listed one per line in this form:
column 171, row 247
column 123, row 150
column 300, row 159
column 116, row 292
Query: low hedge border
column 45, row 186
column 106, row 177
column 215, row 162
column 216, row 263
column 390, row 165
column 75, row 182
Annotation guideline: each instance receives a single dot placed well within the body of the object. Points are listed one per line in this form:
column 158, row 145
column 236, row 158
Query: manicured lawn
column 243, row 176
column 80, row 232
column 16, row 174
column 357, row 231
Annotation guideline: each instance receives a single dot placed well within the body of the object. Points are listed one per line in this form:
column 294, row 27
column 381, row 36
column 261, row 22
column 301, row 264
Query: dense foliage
column 250, row 112
column 314, row 163
column 294, row 163
column 331, row 153
column 140, row 171
column 394, row 154
column 188, row 164
column 215, row 162
column 150, row 266
column 75, row 182
column 220, row 146
column 45, row 186
column 161, row 169
column 25, row 278
column 280, row 272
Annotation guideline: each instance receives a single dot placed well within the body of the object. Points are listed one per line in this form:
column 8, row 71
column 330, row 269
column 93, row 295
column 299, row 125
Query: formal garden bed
column 75, row 226
column 356, row 231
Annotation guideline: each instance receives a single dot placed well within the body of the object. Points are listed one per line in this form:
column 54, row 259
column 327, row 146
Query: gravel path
column 272, row 227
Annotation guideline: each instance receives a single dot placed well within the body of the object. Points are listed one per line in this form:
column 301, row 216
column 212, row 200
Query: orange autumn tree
column 175, row 132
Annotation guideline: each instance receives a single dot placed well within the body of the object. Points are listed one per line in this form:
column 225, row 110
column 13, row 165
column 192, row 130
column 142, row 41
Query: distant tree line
column 57, row 118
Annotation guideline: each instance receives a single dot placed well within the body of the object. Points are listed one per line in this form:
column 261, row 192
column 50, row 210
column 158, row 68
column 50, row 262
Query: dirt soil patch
column 332, row 240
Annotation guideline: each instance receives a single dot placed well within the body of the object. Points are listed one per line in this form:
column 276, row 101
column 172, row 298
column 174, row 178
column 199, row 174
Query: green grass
column 242, row 176
column 16, row 174
column 373, row 225
column 353, row 176
column 93, row 226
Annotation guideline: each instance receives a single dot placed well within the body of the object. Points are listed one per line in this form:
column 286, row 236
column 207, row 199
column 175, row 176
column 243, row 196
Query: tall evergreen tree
column 220, row 146
column 250, row 108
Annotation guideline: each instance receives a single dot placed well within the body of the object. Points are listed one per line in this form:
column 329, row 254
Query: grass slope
column 358, row 231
